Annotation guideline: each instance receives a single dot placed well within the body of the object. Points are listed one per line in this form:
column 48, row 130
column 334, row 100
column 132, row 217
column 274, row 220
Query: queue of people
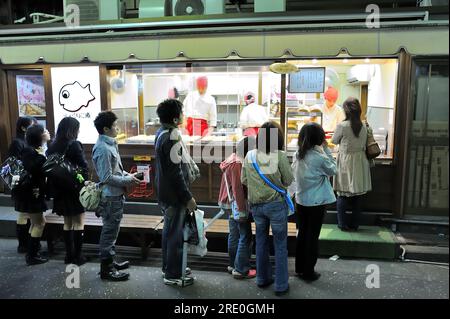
column 253, row 188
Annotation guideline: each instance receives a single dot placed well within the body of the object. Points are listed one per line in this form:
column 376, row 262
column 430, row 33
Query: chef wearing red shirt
column 200, row 110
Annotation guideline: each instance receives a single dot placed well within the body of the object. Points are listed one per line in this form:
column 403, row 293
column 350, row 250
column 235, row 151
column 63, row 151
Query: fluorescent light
column 314, row 61
column 367, row 60
column 345, row 61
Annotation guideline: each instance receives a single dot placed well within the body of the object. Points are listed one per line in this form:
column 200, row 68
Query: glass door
column 427, row 175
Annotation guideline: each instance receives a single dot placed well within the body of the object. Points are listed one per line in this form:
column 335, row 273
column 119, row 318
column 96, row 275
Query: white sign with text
column 76, row 93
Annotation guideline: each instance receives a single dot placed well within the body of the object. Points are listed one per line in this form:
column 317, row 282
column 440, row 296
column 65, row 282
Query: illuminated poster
column 76, row 93
column 30, row 95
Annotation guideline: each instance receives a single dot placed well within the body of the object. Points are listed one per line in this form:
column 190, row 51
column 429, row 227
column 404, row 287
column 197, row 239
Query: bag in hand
column 11, row 171
column 191, row 225
column 372, row 148
column 90, row 196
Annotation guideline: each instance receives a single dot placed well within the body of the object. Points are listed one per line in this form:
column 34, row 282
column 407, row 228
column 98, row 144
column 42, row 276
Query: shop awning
column 370, row 42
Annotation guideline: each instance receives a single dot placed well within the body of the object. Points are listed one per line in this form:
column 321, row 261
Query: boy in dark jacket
column 174, row 197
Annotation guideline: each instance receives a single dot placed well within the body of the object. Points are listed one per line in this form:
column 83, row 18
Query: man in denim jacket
column 114, row 179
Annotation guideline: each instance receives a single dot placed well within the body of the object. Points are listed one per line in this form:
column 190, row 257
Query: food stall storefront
column 131, row 81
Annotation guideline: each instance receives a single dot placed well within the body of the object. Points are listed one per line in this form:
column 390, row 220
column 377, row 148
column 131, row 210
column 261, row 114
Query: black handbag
column 61, row 172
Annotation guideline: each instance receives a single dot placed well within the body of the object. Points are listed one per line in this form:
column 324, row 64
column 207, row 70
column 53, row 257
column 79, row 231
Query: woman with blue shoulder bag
column 233, row 197
column 313, row 165
column 267, row 174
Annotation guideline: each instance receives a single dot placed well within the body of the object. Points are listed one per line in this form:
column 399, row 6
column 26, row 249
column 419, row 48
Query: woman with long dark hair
column 67, row 203
column 267, row 205
column 313, row 165
column 16, row 148
column 353, row 179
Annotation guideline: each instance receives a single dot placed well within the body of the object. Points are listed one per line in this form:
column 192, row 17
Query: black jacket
column 16, row 148
column 68, row 203
column 171, row 178
column 32, row 199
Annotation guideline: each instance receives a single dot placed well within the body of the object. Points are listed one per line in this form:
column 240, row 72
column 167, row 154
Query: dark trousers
column 349, row 220
column 309, row 223
column 172, row 241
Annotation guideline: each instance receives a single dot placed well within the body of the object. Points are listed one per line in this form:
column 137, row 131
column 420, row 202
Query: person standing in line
column 30, row 194
column 66, row 200
column 233, row 197
column 16, row 148
column 268, row 206
column 114, row 180
column 353, row 179
column 173, row 177
column 313, row 165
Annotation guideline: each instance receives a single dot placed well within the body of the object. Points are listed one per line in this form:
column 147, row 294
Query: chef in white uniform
column 200, row 110
column 252, row 116
column 333, row 114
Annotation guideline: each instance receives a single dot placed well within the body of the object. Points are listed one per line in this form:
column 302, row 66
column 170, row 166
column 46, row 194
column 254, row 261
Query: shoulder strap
column 228, row 188
column 264, row 178
column 283, row 192
column 160, row 134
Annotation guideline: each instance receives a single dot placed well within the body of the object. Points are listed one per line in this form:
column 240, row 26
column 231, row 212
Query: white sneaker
column 181, row 282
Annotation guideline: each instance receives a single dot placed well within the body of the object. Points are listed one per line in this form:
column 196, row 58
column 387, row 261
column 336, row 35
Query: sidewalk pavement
column 340, row 279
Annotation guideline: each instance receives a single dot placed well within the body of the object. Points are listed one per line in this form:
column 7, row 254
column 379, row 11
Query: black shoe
column 267, row 284
column 108, row 272
column 121, row 266
column 36, row 260
column 33, row 257
column 344, row 228
column 310, row 277
column 282, row 293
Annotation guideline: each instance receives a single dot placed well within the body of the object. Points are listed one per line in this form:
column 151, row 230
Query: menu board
column 307, row 80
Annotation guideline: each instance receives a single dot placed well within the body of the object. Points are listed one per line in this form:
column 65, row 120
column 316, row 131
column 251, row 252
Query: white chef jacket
column 253, row 115
column 332, row 117
column 201, row 107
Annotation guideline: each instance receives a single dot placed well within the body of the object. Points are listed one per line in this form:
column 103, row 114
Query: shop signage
column 76, row 93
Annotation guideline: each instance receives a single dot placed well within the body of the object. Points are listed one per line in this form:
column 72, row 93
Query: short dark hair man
column 114, row 179
column 174, row 197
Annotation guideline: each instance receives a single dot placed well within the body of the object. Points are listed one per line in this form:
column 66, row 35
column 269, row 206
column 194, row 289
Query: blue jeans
column 272, row 214
column 111, row 210
column 240, row 245
column 172, row 241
